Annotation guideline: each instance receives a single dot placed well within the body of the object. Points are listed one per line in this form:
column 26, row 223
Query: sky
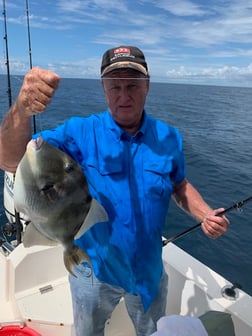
column 184, row 41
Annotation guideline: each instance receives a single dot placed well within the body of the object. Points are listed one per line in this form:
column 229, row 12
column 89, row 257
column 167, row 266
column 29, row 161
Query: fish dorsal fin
column 95, row 215
column 33, row 237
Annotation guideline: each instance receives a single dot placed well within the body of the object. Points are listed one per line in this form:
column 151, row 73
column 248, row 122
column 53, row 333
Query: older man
column 133, row 164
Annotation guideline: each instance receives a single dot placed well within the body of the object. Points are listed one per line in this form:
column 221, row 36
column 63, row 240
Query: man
column 133, row 164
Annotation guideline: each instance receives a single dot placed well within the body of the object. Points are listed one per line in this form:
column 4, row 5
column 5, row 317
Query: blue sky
column 185, row 41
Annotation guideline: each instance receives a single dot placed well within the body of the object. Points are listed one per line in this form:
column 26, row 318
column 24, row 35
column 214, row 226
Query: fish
column 52, row 191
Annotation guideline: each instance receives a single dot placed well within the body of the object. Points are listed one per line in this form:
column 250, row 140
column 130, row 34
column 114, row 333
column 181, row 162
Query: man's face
column 126, row 92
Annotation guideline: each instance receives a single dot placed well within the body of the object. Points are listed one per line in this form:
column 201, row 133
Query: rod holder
column 231, row 292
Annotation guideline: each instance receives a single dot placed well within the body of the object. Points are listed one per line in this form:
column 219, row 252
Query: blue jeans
column 94, row 301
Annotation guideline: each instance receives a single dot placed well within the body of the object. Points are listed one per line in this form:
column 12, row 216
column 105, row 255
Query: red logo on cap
column 122, row 51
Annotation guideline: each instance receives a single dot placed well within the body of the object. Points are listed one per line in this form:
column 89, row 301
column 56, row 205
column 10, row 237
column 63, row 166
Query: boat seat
column 218, row 323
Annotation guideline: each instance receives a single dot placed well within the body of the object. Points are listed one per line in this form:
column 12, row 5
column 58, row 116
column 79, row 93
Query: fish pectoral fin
column 95, row 215
column 75, row 256
column 33, row 237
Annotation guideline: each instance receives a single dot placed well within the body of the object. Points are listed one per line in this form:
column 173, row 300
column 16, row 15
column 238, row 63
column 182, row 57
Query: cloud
column 87, row 68
column 180, row 7
column 91, row 8
column 16, row 67
column 232, row 74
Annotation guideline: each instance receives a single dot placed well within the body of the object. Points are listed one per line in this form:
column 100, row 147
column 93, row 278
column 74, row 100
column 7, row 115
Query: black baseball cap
column 124, row 57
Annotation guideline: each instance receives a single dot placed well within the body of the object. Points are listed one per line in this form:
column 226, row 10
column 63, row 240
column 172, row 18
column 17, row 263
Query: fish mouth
column 35, row 144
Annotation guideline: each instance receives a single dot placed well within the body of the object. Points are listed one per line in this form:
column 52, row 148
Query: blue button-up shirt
column 133, row 178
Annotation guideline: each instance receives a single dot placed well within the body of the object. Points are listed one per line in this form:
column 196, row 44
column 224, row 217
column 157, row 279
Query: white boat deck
column 35, row 290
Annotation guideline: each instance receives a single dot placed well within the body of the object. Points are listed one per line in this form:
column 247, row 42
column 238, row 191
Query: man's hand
column 36, row 92
column 213, row 225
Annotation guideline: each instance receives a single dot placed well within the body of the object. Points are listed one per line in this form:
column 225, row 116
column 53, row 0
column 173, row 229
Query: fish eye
column 68, row 167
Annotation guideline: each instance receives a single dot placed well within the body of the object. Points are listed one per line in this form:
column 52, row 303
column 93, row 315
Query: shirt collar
column 119, row 133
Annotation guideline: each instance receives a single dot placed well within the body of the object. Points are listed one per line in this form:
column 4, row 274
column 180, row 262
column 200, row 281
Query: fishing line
column 236, row 206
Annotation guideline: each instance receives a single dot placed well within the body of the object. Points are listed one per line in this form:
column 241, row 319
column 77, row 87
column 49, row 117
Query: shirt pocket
column 105, row 167
column 157, row 181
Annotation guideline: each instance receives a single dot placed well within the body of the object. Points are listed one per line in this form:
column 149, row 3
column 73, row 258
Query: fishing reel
column 9, row 229
column 9, row 241
column 12, row 229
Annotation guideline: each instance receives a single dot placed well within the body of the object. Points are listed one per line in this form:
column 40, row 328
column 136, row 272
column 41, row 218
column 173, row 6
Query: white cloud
column 229, row 74
column 16, row 67
column 86, row 7
column 180, row 7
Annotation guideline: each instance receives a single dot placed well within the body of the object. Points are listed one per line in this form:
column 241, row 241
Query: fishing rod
column 29, row 32
column 18, row 225
column 30, row 52
column 7, row 55
column 236, row 206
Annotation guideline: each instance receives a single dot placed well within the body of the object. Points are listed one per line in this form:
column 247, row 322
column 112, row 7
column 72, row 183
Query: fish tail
column 73, row 257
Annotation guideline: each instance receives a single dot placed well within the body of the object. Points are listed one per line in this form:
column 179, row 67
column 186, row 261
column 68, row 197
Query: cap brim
column 125, row 65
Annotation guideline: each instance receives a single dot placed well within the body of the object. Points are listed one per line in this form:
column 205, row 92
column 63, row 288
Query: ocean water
column 216, row 124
